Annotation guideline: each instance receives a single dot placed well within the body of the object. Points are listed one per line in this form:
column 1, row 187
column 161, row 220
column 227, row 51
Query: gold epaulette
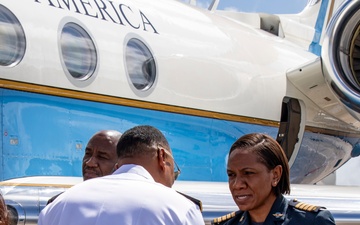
column 222, row 218
column 305, row 206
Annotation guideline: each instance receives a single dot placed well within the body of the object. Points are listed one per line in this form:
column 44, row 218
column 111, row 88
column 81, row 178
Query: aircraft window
column 140, row 64
column 78, row 51
column 12, row 38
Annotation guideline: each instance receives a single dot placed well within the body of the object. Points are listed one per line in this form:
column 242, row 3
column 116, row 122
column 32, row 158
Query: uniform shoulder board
column 222, row 219
column 53, row 198
column 305, row 206
column 194, row 200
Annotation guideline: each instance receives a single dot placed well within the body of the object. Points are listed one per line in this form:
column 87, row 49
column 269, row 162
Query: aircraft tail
column 309, row 26
column 318, row 14
column 306, row 28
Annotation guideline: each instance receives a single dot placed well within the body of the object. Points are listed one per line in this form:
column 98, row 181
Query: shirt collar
column 278, row 210
column 134, row 169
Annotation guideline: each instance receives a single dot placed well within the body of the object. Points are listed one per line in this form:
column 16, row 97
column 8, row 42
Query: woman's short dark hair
column 269, row 153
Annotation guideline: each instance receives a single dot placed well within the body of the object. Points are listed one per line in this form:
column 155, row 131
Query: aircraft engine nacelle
column 341, row 55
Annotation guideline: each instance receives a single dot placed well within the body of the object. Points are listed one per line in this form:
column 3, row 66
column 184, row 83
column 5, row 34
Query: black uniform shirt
column 283, row 212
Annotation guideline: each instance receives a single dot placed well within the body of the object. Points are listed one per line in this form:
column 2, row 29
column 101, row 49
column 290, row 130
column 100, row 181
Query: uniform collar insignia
column 278, row 215
column 241, row 219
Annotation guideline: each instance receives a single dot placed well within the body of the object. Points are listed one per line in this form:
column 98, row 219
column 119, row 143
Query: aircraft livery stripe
column 15, row 85
column 315, row 46
column 331, row 10
column 13, row 184
column 21, row 86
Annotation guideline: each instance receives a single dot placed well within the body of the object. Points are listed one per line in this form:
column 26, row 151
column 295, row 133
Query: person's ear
column 116, row 166
column 277, row 172
column 161, row 158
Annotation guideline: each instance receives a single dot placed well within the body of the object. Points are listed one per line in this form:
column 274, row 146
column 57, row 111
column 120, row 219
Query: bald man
column 100, row 156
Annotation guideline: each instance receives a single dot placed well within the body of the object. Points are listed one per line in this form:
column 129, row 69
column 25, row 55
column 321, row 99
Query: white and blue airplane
column 204, row 77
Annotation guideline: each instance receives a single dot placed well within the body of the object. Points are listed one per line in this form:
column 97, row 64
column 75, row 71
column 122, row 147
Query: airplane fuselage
column 202, row 78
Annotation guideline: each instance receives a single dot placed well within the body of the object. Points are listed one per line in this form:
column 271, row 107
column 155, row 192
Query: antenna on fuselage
column 213, row 6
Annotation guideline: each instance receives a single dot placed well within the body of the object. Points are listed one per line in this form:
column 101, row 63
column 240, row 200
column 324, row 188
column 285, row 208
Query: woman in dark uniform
column 258, row 174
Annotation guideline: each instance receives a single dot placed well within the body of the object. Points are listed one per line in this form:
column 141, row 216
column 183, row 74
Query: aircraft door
column 288, row 135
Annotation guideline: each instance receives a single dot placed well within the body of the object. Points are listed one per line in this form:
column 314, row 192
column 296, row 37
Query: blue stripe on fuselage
column 47, row 135
column 315, row 46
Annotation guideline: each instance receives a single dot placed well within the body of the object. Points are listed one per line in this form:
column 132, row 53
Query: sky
column 265, row 6
column 345, row 175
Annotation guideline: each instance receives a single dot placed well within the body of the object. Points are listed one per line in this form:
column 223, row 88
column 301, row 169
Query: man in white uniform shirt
column 138, row 193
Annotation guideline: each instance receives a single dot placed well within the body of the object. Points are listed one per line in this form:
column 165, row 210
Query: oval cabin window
column 140, row 64
column 78, row 52
column 12, row 38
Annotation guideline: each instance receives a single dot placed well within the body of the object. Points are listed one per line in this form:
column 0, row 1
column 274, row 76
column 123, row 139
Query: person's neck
column 259, row 214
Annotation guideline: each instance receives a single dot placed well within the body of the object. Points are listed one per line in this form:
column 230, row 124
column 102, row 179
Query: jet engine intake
column 341, row 55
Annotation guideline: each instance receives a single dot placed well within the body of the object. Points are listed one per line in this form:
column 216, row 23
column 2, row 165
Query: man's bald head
column 100, row 154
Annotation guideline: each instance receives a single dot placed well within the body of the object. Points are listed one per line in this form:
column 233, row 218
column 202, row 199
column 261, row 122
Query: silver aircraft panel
column 28, row 196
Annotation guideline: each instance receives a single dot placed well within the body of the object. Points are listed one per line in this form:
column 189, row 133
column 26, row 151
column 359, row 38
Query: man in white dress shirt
column 138, row 193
